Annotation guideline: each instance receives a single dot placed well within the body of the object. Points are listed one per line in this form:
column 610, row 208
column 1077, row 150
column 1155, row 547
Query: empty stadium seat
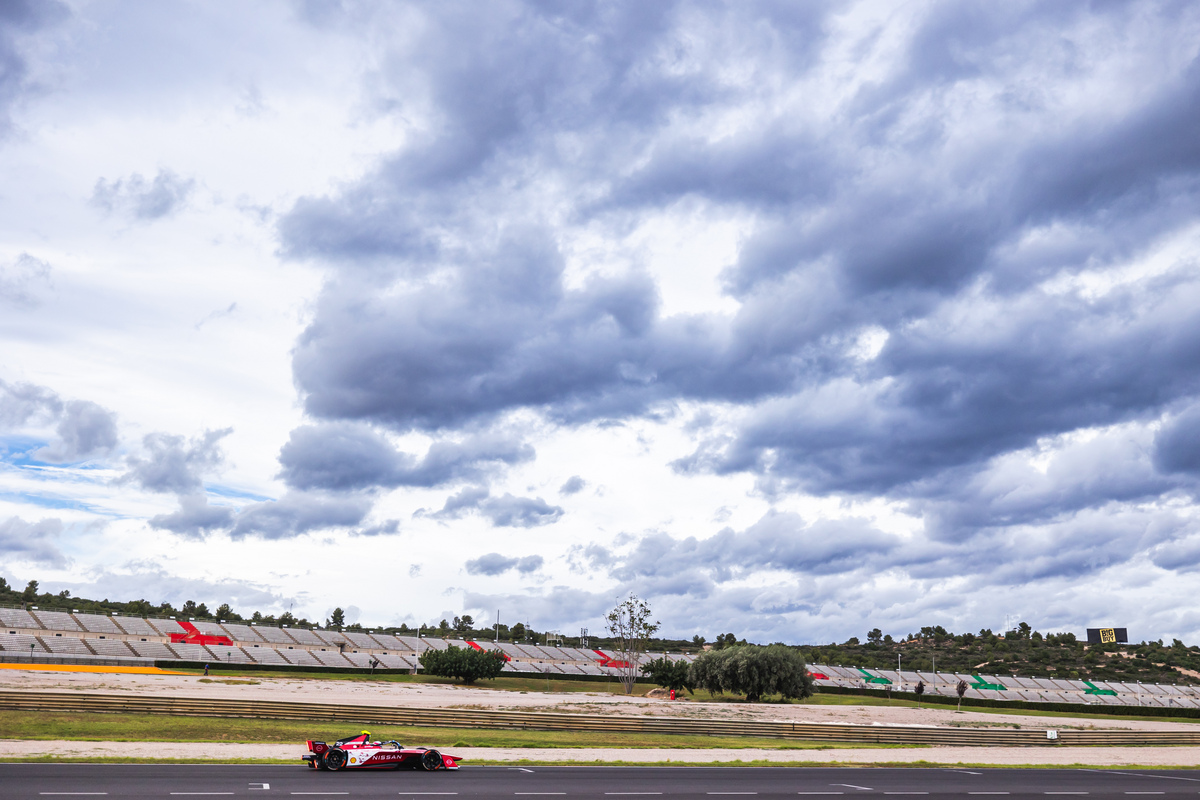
column 156, row 650
column 95, row 623
column 135, row 625
column 65, row 645
column 56, row 620
column 114, row 648
column 20, row 643
column 18, row 618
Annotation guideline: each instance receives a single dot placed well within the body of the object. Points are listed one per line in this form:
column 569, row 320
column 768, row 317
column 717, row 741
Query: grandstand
column 52, row 636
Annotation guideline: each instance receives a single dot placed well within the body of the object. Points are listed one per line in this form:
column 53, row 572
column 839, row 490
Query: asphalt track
column 602, row 783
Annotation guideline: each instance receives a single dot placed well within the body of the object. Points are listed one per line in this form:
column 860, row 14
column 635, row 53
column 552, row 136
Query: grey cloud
column 506, row 511
column 573, row 485
column 385, row 528
column 139, row 579
column 194, row 517
column 141, row 199
column 298, row 513
column 19, row 20
column 496, row 564
column 32, row 541
column 84, row 429
column 172, row 463
column 933, row 204
column 24, row 281
column 1177, row 445
column 338, row 456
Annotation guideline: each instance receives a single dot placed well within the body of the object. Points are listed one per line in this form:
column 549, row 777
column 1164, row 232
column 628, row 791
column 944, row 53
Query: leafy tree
column 4, row 587
column 669, row 674
column 463, row 624
column 64, row 594
column 443, row 628
column 227, row 614
column 698, row 640
column 518, row 632
column 286, row 618
column 337, row 620
column 753, row 671
column 202, row 612
column 875, row 636
column 30, row 593
column 465, row 664
column 630, row 625
column 188, row 609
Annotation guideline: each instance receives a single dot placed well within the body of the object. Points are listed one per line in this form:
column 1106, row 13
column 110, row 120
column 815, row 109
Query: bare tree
column 629, row 623
column 961, row 688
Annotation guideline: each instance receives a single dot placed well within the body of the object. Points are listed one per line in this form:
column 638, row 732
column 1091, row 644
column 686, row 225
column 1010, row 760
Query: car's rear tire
column 335, row 759
column 431, row 760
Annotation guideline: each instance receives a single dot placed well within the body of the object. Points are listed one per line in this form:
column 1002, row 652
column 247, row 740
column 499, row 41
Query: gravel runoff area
column 998, row 756
column 417, row 695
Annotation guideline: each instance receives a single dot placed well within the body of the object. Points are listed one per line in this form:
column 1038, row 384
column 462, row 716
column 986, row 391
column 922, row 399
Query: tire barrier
column 543, row 721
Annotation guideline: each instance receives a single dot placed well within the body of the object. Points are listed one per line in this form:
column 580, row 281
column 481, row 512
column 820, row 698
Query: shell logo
column 353, row 760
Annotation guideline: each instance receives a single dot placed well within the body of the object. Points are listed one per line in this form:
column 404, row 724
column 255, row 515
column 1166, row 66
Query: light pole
column 899, row 675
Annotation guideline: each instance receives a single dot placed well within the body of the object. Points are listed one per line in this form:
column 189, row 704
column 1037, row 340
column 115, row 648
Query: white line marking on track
column 1064, row 792
column 75, row 794
column 427, row 793
column 520, row 769
column 820, row 792
column 852, row 786
column 964, row 771
column 538, row 794
column 1145, row 793
column 199, row 794
column 1141, row 775
column 987, row 792
column 260, row 786
column 731, row 792
column 626, row 794
column 320, row 793
column 906, row 792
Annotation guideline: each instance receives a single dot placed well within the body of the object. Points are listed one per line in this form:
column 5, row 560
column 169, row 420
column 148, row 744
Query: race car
column 359, row 752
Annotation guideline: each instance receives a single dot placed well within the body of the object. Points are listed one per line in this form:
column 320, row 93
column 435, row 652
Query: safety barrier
column 513, row 720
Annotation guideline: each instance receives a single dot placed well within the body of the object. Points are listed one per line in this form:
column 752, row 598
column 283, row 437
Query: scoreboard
column 1107, row 635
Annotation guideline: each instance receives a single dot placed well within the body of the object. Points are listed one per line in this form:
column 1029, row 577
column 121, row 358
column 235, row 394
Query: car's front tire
column 431, row 760
column 335, row 759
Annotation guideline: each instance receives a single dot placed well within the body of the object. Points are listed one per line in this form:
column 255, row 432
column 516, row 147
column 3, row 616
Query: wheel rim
column 335, row 759
column 431, row 760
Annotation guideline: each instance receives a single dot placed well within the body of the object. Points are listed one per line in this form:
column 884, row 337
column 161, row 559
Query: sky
column 795, row 319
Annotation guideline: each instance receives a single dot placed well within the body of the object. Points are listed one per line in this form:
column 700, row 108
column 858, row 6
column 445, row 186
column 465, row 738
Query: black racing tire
column 431, row 760
column 335, row 759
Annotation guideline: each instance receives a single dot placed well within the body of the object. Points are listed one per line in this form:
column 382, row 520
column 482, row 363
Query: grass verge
column 162, row 728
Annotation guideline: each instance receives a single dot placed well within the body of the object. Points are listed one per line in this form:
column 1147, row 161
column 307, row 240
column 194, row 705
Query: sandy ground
column 382, row 693
column 1048, row 756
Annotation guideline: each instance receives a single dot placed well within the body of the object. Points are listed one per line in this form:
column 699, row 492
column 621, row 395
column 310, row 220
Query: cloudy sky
column 796, row 319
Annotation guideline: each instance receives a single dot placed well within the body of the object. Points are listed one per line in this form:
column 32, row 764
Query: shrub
column 753, row 671
column 465, row 664
column 669, row 674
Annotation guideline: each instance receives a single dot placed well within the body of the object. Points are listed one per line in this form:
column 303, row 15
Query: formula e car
column 359, row 752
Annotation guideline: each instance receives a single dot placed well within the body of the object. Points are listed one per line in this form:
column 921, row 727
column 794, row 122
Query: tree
column 336, row 620
column 629, row 623
column 875, row 636
column 188, row 609
column 202, row 612
column 443, row 628
column 30, row 593
column 669, row 674
column 518, row 632
column 64, row 594
column 4, row 587
column 227, row 614
column 753, row 671
column 698, row 640
column 463, row 624
column 961, row 689
column 465, row 664
column 726, row 640
column 286, row 618
column 920, row 690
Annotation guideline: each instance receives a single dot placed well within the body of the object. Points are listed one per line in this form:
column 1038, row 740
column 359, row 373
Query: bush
column 669, row 674
column 465, row 664
column 753, row 671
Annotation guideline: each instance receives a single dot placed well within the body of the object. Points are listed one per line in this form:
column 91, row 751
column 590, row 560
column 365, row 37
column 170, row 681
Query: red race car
column 359, row 752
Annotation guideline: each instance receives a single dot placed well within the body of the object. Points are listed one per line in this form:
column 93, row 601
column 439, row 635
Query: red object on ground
column 819, row 676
